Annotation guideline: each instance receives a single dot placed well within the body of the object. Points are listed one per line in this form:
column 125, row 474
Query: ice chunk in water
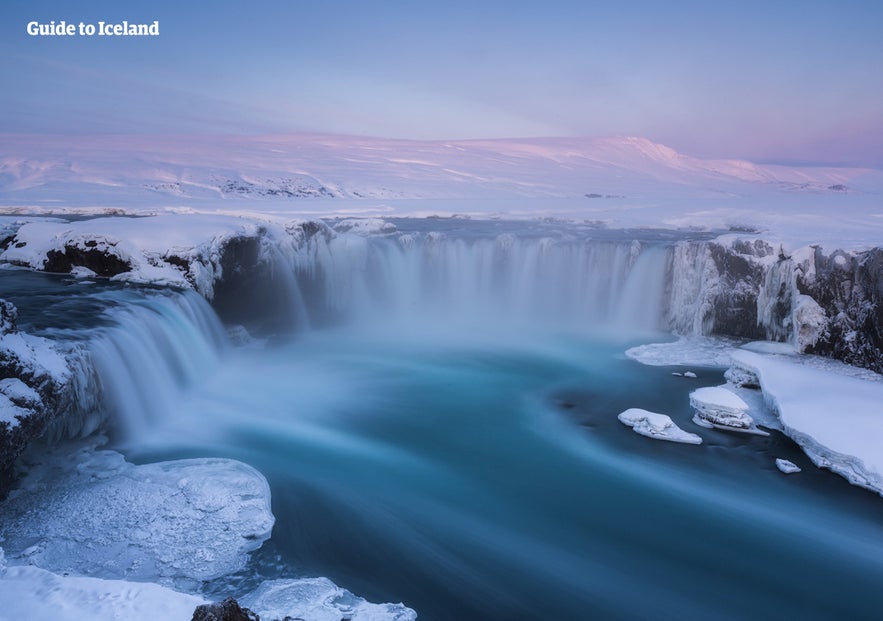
column 656, row 426
column 319, row 599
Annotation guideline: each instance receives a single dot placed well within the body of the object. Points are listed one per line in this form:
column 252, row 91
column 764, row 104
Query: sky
column 770, row 81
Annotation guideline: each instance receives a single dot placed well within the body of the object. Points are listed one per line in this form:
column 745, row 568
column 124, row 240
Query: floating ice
column 720, row 408
column 318, row 599
column 174, row 522
column 693, row 350
column 656, row 426
column 788, row 467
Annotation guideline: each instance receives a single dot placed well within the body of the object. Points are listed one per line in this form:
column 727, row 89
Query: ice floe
column 176, row 523
column 720, row 408
column 788, row 467
column 318, row 599
column 686, row 351
column 656, row 426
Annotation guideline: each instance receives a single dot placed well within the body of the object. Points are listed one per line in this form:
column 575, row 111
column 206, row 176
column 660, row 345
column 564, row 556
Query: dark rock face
column 735, row 314
column 825, row 304
column 850, row 290
column 227, row 610
column 252, row 290
column 98, row 257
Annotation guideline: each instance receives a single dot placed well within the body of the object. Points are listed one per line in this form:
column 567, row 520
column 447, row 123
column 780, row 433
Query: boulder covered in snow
column 656, row 426
column 34, row 389
column 720, row 408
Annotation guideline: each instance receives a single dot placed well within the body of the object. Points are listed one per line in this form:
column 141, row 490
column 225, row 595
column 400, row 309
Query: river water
column 470, row 464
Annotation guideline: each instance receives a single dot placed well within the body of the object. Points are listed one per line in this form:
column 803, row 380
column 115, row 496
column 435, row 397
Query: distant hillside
column 201, row 170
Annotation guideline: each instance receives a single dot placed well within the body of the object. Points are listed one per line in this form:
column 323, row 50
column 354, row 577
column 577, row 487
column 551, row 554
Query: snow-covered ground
column 615, row 182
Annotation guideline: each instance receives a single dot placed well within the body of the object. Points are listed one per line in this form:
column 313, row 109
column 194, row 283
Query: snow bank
column 176, row 523
column 38, row 595
column 656, row 426
column 318, row 599
column 833, row 415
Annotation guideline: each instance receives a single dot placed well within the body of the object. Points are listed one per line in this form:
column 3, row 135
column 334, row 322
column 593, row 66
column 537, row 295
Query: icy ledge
column 176, row 523
column 833, row 415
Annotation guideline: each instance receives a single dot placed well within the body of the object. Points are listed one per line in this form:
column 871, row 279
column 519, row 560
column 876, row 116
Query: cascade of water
column 433, row 279
column 152, row 350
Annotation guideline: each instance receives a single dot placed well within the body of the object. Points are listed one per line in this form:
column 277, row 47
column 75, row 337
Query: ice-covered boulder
column 319, row 599
column 177, row 523
column 37, row 380
column 656, row 426
column 720, row 408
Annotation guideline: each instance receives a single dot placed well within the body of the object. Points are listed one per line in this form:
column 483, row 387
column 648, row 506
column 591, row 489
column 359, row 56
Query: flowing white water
column 433, row 280
column 153, row 350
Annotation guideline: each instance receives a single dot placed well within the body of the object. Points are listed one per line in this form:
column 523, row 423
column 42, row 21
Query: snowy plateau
column 788, row 256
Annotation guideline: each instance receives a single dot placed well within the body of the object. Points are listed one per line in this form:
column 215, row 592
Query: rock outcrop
column 227, row 610
column 37, row 389
column 828, row 303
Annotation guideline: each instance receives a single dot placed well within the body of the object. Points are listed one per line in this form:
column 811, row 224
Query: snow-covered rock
column 720, row 408
column 656, row 426
column 829, row 409
column 787, row 467
column 38, row 387
column 176, row 523
column 319, row 599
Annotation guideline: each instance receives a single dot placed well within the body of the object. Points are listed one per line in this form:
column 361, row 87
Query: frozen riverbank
column 830, row 409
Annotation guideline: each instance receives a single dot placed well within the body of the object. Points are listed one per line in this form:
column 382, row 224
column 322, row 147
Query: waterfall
column 152, row 349
column 432, row 279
